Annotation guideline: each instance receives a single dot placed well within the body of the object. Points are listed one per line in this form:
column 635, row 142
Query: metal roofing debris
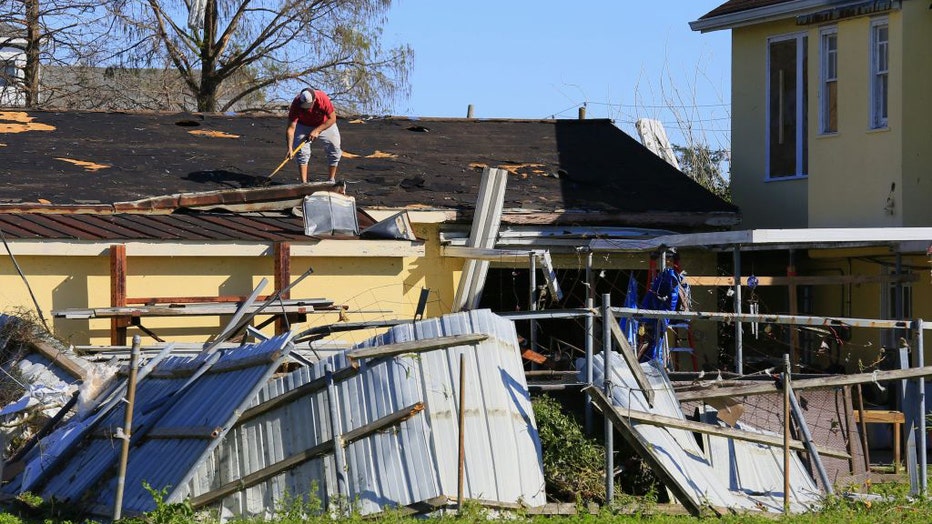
column 698, row 475
column 327, row 213
column 413, row 462
column 376, row 424
column 183, row 406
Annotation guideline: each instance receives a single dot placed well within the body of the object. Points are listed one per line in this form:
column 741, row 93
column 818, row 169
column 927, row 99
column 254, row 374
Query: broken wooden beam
column 631, row 358
column 670, row 479
column 317, row 451
column 732, row 433
column 415, row 346
column 834, row 381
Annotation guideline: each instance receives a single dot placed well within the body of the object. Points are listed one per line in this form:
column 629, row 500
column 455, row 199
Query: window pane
column 880, row 67
column 829, row 115
column 782, row 108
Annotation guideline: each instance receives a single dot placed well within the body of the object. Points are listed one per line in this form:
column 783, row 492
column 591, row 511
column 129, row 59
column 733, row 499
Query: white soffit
column 810, row 238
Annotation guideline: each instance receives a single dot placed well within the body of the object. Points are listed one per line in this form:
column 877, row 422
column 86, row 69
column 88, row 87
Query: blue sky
column 623, row 59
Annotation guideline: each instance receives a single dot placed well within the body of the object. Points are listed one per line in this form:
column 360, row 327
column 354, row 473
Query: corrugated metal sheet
column 828, row 414
column 729, row 483
column 416, row 460
column 172, row 399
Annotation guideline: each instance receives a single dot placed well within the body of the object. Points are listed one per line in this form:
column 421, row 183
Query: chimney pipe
column 582, row 112
column 469, row 111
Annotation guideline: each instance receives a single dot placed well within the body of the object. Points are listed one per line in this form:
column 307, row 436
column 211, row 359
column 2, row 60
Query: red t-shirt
column 314, row 116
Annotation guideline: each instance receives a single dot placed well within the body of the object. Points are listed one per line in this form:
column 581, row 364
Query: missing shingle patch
column 88, row 166
column 187, row 123
column 213, row 134
column 20, row 122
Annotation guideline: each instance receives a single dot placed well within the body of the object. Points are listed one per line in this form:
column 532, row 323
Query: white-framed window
column 787, row 107
column 880, row 72
column 828, row 87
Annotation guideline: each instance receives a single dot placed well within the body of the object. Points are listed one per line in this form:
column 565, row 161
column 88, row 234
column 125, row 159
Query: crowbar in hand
column 291, row 155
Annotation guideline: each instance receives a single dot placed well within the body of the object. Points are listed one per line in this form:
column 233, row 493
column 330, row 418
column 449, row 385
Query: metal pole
column 786, row 433
column 127, row 427
column 607, row 386
column 337, row 432
column 807, row 440
column 532, row 300
column 739, row 343
column 462, row 428
column 590, row 338
column 923, row 459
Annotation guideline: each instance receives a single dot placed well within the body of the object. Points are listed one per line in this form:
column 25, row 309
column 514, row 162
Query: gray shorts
column 329, row 139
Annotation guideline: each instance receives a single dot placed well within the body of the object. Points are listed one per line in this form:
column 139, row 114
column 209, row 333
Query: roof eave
column 764, row 14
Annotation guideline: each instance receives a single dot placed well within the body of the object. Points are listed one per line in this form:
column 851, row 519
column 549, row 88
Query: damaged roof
column 556, row 166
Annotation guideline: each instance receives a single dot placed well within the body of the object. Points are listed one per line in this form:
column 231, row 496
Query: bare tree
column 703, row 151
column 229, row 51
column 48, row 32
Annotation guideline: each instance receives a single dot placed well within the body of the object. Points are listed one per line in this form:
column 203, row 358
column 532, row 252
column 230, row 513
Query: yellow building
column 829, row 130
column 157, row 214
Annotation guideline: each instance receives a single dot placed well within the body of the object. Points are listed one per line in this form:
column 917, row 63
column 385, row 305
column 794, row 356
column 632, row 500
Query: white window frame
column 879, row 93
column 828, row 58
column 801, row 52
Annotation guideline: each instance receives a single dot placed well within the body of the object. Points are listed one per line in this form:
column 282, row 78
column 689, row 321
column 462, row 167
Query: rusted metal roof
column 261, row 227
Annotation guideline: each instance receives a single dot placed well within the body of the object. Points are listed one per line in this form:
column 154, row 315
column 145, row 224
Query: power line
column 658, row 106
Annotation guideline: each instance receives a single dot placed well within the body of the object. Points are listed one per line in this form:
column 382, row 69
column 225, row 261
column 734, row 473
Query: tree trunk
column 207, row 92
column 31, row 71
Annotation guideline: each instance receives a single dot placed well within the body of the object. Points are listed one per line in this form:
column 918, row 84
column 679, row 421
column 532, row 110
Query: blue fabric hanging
column 664, row 294
column 629, row 326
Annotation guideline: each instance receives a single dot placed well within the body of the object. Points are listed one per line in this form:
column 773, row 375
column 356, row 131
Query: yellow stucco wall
column 372, row 287
column 853, row 172
column 917, row 114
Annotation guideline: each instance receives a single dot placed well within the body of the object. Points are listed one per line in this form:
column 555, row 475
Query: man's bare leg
column 333, row 174
column 302, row 170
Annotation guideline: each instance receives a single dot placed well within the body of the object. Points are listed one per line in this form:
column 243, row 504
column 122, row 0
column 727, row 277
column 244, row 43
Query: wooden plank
column 118, row 293
column 281, row 260
column 295, row 394
column 186, row 311
column 880, row 416
column 416, row 346
column 59, row 358
column 632, row 359
column 190, row 432
column 826, row 280
column 732, row 433
column 319, row 450
column 223, row 367
column 671, row 479
column 809, row 383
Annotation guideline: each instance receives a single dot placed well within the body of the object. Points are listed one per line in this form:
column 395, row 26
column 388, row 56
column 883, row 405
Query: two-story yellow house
column 830, row 130
column 830, row 111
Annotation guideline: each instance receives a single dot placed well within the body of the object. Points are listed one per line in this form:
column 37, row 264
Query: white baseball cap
column 307, row 98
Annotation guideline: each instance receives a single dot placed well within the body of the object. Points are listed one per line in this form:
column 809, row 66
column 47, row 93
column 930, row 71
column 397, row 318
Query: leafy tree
column 704, row 165
column 228, row 52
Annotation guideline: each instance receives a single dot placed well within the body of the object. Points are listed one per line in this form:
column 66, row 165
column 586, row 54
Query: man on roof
column 312, row 118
